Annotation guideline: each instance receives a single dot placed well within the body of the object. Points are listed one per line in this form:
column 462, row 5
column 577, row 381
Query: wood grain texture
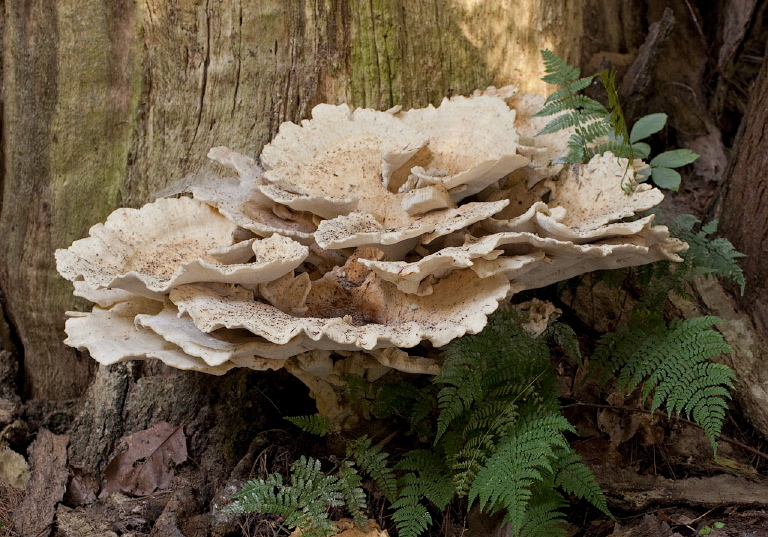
column 109, row 102
column 745, row 199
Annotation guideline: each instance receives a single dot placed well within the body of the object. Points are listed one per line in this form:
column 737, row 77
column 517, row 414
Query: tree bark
column 108, row 102
column 744, row 207
column 744, row 221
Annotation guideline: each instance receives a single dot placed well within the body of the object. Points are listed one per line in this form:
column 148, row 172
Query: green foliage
column 706, row 530
column 564, row 337
column 499, row 424
column 404, row 400
column 304, row 503
column 673, row 365
column 661, row 168
column 373, row 461
column 350, row 486
column 489, row 426
column 598, row 129
column 543, row 516
column 589, row 119
column 315, row 424
column 431, row 474
column 574, row 477
column 704, row 257
column 647, row 126
column 505, row 481
column 410, row 514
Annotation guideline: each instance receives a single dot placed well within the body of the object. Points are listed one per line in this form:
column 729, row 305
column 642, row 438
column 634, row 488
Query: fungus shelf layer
column 358, row 231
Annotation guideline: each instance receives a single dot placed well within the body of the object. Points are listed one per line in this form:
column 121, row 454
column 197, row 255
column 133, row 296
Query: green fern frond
column 476, row 365
column 524, row 458
column 412, row 517
column 674, row 365
column 469, row 460
column 373, row 461
column 582, row 102
column 564, row 337
column 575, row 477
column 558, row 71
column 707, row 257
column 619, row 148
column 350, row 487
column 495, row 417
column 704, row 257
column 404, row 400
column 304, row 503
column 314, row 424
column 572, row 88
column 432, row 475
column 589, row 119
column 259, row 495
column 543, row 516
column 314, row 485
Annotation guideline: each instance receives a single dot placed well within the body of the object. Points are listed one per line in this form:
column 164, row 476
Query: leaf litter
column 149, row 462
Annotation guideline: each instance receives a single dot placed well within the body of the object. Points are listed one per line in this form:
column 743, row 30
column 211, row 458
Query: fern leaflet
column 432, row 475
column 575, row 477
column 350, row 486
column 411, row 516
column 674, row 365
column 315, row 424
column 589, row 119
column 505, row 482
column 373, row 461
column 543, row 516
column 304, row 503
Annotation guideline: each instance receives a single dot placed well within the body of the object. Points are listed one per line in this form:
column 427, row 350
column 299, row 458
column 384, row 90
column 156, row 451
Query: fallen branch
column 632, row 492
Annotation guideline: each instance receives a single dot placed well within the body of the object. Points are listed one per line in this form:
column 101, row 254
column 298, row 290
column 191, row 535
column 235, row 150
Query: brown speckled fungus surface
column 360, row 241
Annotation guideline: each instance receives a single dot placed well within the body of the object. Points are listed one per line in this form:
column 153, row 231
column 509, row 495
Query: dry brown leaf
column 149, row 462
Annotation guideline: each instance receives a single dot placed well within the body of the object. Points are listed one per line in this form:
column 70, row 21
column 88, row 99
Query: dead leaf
column 149, row 462
column 346, row 527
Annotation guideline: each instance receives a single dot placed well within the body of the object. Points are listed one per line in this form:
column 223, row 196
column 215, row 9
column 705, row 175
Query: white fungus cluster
column 359, row 233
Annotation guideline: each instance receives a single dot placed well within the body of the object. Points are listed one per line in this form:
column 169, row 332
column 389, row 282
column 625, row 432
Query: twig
column 660, row 414
column 696, row 22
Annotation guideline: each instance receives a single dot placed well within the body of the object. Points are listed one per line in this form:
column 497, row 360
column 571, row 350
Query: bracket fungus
column 360, row 241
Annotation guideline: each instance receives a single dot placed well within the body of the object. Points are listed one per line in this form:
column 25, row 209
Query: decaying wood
column 48, row 461
column 630, row 491
column 744, row 216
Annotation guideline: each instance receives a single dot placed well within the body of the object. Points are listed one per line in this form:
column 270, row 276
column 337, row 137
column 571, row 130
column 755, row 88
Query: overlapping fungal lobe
column 110, row 336
column 241, row 200
column 360, row 241
column 339, row 162
column 149, row 251
column 472, row 144
column 351, row 308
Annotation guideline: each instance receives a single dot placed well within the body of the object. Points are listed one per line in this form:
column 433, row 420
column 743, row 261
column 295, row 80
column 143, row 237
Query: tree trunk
column 107, row 102
column 745, row 223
